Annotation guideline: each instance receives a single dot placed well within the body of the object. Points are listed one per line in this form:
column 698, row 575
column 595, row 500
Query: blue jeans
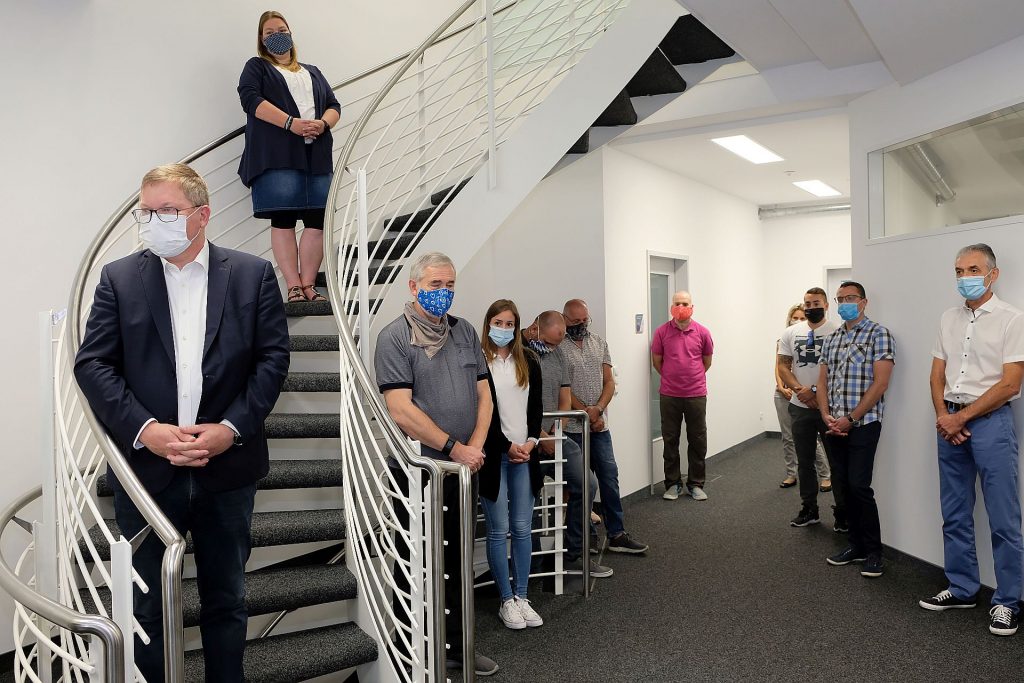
column 602, row 462
column 512, row 510
column 220, row 526
column 991, row 451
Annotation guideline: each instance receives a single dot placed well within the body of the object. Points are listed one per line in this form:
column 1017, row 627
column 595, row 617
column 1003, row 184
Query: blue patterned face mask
column 539, row 346
column 436, row 302
column 278, row 43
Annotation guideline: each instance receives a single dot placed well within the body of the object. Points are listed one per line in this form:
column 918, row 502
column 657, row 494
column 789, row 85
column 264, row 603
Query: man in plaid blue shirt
column 855, row 366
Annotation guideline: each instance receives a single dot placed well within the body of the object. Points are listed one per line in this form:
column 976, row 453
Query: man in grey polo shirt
column 432, row 373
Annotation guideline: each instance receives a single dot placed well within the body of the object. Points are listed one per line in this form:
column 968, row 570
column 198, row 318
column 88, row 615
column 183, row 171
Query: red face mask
column 681, row 313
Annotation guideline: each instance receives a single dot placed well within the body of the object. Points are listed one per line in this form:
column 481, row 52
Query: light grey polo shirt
column 443, row 387
column 554, row 372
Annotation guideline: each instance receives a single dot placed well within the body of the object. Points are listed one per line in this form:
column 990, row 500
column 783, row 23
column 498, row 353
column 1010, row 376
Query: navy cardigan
column 268, row 146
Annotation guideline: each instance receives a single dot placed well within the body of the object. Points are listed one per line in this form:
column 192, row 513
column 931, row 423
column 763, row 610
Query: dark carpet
column 730, row 592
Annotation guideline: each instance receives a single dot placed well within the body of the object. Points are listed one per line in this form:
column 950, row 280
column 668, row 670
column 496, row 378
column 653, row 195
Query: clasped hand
column 520, row 452
column 308, row 128
column 187, row 446
column 837, row 426
column 953, row 428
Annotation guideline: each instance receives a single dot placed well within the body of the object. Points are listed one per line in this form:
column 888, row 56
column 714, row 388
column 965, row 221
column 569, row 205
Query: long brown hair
column 262, row 51
column 516, row 345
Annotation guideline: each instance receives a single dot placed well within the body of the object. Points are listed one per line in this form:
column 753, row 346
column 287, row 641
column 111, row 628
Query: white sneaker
column 697, row 493
column 672, row 492
column 529, row 615
column 511, row 615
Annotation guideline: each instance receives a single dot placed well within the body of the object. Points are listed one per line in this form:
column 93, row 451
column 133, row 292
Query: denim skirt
column 287, row 189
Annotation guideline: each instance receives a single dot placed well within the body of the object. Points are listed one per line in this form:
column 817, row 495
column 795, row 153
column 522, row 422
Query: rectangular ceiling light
column 743, row 146
column 818, row 188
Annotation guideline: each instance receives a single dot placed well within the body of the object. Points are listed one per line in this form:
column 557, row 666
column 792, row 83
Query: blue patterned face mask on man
column 436, row 302
column 539, row 346
column 278, row 43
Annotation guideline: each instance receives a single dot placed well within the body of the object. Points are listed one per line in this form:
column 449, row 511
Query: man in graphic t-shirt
column 799, row 351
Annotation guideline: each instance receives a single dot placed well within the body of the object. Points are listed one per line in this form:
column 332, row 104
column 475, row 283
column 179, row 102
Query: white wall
column 910, row 282
column 101, row 93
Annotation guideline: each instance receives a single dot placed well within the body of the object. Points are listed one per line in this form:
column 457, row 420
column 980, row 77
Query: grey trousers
column 789, row 450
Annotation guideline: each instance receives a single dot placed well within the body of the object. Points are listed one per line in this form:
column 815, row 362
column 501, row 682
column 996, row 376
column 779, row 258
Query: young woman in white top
column 510, row 476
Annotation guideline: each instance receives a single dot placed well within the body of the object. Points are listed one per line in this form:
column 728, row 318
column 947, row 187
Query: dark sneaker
column 946, row 600
column 872, row 567
column 484, row 666
column 848, row 556
column 595, row 544
column 1004, row 621
column 807, row 517
column 624, row 544
column 597, row 571
column 840, row 526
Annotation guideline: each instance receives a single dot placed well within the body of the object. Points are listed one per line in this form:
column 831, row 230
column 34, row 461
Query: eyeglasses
column 167, row 214
column 848, row 299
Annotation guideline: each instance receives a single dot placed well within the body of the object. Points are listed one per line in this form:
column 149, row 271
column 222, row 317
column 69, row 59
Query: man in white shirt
column 799, row 352
column 977, row 365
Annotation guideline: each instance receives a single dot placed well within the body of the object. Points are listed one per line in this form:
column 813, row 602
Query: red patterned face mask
column 681, row 312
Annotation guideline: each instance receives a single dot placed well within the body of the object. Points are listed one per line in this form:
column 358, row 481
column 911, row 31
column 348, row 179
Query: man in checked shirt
column 855, row 366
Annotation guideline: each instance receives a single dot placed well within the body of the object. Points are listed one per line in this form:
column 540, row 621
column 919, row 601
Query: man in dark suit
column 183, row 358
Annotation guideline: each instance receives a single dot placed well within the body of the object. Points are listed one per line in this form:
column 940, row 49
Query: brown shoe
column 788, row 482
column 825, row 485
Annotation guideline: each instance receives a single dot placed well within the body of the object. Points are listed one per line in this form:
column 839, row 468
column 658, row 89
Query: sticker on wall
column 639, row 323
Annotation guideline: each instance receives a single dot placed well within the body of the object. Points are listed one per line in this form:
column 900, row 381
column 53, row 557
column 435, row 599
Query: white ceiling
column 912, row 37
column 814, row 147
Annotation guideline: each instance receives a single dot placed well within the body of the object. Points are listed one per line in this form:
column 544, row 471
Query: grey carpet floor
column 730, row 592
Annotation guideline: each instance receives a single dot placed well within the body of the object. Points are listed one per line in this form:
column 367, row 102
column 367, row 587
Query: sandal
column 295, row 294
column 317, row 296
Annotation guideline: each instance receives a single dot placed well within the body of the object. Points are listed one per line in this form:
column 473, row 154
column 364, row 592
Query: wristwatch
column 849, row 416
column 448, row 446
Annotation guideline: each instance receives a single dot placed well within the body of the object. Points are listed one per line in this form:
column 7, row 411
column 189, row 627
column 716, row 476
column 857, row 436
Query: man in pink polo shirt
column 681, row 353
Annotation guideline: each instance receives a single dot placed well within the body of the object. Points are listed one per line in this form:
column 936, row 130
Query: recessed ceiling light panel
column 743, row 146
column 818, row 188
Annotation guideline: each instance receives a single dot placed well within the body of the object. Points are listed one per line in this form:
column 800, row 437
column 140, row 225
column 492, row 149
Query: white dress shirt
column 976, row 345
column 512, row 399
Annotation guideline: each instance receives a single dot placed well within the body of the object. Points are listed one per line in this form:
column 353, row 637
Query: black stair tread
column 581, row 146
column 441, row 197
column 299, row 309
column 312, row 381
column 268, row 529
column 691, row 42
column 313, row 342
column 267, row 590
column 391, row 246
column 379, row 271
column 619, row 113
column 412, row 222
column 284, row 474
column 298, row 656
column 656, row 77
column 303, row 426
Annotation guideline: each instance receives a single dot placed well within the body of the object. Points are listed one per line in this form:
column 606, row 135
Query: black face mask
column 576, row 332
column 814, row 315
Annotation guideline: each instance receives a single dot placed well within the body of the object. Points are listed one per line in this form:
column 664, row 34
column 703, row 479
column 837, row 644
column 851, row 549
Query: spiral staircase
column 450, row 135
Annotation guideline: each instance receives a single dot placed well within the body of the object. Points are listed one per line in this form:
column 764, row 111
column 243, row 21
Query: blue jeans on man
column 602, row 462
column 572, row 470
column 220, row 524
column 991, row 452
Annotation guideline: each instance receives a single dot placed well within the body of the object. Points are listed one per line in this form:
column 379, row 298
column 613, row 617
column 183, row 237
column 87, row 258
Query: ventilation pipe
column 781, row 210
column 925, row 160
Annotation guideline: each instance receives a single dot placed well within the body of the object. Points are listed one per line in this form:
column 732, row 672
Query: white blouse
column 300, row 85
column 512, row 399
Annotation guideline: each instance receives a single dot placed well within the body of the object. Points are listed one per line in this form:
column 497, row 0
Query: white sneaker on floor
column 697, row 493
column 529, row 615
column 672, row 492
column 511, row 615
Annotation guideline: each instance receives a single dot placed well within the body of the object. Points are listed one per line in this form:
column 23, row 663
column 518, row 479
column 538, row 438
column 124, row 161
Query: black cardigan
column 268, row 146
column 497, row 445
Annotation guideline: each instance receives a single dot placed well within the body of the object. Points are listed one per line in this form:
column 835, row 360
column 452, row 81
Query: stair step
column 441, row 197
column 267, row 590
column 619, row 113
column 581, row 146
column 303, row 426
column 415, row 220
column 380, row 273
column 691, row 42
column 268, row 529
column 297, row 656
column 392, row 245
column 284, row 474
column 312, row 381
column 656, row 77
column 299, row 309
column 313, row 342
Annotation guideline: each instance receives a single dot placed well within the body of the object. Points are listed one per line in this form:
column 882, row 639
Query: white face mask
column 166, row 240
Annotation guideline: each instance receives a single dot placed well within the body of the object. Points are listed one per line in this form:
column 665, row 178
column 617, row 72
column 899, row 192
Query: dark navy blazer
column 126, row 369
column 268, row 146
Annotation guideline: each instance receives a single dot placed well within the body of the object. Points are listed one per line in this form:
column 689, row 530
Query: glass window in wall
column 969, row 172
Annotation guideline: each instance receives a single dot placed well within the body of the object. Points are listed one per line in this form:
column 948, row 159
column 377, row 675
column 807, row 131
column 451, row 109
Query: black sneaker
column 872, row 567
column 1004, row 621
column 807, row 517
column 840, row 526
column 624, row 544
column 595, row 544
column 847, row 556
column 946, row 600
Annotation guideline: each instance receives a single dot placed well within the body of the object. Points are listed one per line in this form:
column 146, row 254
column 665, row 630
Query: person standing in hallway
column 977, row 366
column 592, row 387
column 434, row 379
column 782, row 397
column 855, row 366
column 799, row 351
column 681, row 353
column 187, row 413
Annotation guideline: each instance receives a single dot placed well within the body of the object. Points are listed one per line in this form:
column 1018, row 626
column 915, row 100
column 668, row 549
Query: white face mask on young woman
column 167, row 240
